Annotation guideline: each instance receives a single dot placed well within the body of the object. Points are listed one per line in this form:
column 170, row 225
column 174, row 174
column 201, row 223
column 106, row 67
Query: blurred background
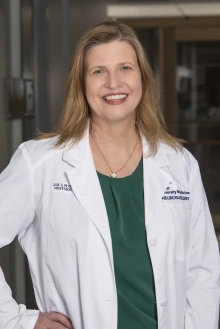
column 37, row 39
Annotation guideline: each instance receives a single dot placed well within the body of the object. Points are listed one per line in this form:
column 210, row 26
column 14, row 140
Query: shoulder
column 38, row 151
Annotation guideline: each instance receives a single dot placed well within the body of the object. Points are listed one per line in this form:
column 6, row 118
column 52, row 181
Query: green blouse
column 124, row 200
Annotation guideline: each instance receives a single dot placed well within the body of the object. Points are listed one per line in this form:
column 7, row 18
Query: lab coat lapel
column 156, row 179
column 177, row 169
column 86, row 187
column 159, row 171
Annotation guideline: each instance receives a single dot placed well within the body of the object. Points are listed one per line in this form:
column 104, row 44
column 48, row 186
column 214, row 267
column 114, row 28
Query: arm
column 202, row 309
column 16, row 214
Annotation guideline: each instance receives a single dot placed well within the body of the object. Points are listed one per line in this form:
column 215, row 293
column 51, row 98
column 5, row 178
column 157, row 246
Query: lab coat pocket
column 180, row 215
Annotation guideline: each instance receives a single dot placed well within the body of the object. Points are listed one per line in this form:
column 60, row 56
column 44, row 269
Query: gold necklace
column 114, row 174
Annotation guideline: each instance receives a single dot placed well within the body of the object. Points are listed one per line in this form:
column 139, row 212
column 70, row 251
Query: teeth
column 115, row 97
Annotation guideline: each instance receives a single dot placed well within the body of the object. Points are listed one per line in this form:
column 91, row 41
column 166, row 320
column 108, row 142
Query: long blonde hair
column 74, row 117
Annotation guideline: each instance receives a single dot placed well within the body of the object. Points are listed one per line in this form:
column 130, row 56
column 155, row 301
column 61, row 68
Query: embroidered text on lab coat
column 62, row 187
column 175, row 194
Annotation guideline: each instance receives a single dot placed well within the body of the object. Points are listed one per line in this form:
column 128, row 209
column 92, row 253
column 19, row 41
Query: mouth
column 115, row 97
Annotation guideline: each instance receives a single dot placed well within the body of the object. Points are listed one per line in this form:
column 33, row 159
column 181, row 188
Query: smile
column 115, row 97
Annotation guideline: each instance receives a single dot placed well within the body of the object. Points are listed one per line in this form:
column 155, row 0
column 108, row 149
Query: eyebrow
column 103, row 66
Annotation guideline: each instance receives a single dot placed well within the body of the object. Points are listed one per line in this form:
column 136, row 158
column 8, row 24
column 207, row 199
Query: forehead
column 110, row 53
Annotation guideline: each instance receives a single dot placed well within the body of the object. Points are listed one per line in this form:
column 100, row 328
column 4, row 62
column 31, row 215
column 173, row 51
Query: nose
column 113, row 80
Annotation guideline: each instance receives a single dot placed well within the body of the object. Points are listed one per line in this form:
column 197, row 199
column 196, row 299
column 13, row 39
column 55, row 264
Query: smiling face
column 112, row 81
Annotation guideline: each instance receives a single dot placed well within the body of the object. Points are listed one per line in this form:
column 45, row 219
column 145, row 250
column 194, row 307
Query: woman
column 109, row 208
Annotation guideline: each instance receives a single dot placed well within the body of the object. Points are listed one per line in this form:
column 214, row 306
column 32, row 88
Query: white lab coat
column 51, row 198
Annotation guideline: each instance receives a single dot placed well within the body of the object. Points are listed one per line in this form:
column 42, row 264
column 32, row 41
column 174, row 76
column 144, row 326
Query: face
column 112, row 81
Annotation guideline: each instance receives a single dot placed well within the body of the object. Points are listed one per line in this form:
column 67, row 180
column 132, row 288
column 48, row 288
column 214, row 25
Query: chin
column 120, row 115
column 120, row 118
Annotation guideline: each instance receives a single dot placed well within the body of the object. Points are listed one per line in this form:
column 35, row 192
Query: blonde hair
column 74, row 117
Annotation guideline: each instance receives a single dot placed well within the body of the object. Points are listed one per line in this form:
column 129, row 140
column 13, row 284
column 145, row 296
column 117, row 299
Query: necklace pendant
column 113, row 175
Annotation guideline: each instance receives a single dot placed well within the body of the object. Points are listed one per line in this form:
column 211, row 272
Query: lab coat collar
column 160, row 159
column 75, row 155
column 168, row 160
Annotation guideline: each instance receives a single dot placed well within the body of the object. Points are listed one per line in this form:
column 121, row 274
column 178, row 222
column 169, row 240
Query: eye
column 98, row 71
column 126, row 68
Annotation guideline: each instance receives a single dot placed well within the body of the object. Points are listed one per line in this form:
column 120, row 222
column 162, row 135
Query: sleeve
column 203, row 286
column 16, row 214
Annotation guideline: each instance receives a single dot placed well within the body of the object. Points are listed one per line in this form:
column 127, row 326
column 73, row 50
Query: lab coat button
column 153, row 242
column 163, row 303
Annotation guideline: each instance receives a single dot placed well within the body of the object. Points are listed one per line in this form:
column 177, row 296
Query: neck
column 115, row 137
